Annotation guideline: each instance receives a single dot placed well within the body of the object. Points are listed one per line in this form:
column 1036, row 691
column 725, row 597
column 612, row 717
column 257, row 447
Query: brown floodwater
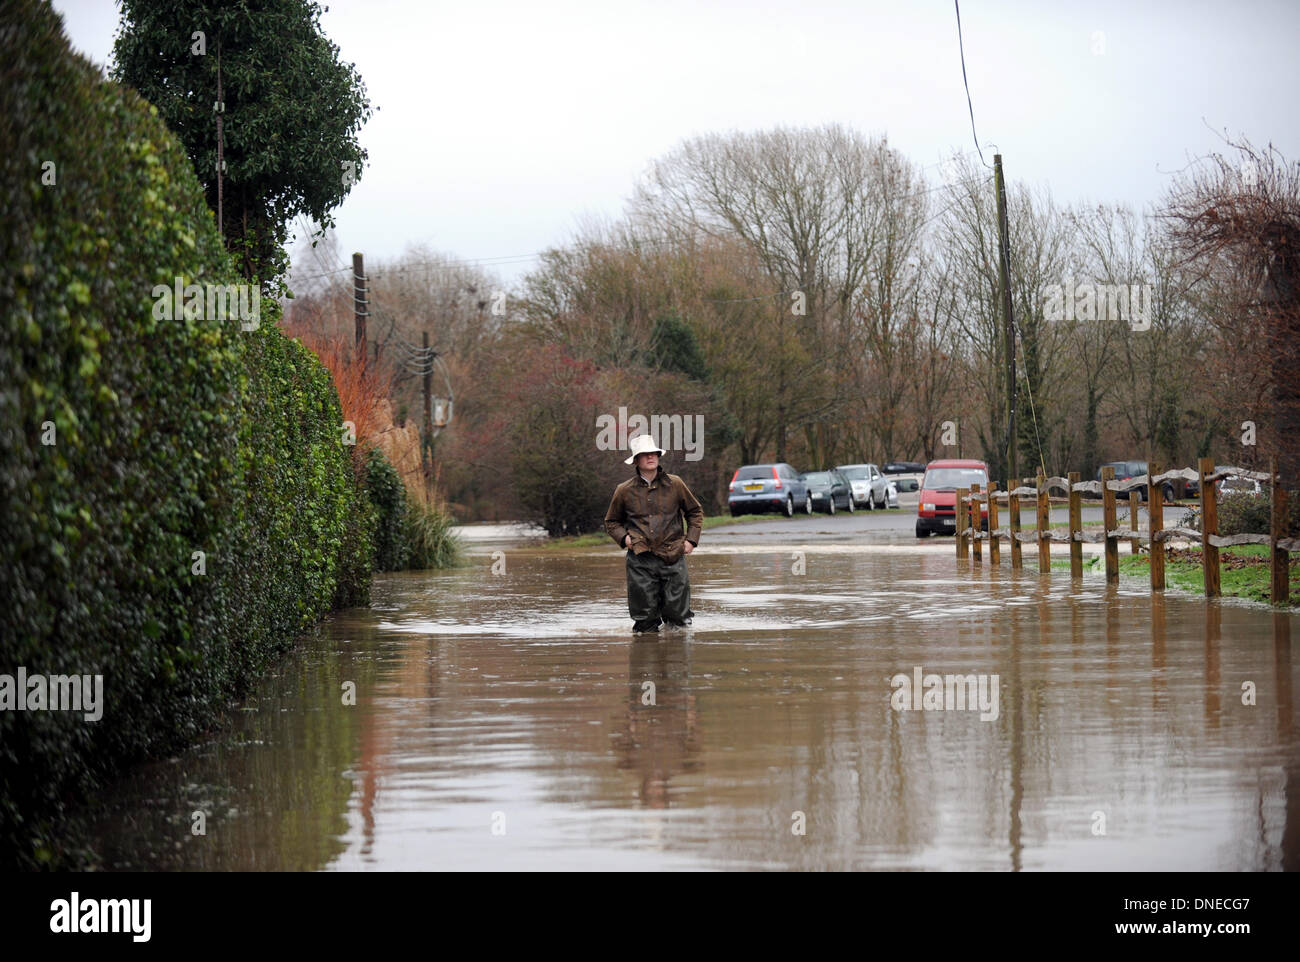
column 508, row 721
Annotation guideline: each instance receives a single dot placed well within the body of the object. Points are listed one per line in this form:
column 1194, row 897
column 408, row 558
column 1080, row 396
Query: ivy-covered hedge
column 131, row 442
column 388, row 495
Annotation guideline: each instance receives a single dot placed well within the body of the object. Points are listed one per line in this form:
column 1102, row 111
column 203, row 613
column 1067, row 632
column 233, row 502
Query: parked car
column 906, row 484
column 891, row 494
column 829, row 490
column 1127, row 470
column 768, row 487
column 937, row 511
column 903, row 467
column 868, row 484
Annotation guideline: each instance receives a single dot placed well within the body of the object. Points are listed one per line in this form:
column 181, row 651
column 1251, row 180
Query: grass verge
column 1243, row 571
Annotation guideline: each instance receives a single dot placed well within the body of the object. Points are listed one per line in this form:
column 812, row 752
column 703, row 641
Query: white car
column 870, row 487
column 1240, row 486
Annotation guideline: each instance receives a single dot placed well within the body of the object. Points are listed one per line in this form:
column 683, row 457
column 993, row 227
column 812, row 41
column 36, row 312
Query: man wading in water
column 645, row 517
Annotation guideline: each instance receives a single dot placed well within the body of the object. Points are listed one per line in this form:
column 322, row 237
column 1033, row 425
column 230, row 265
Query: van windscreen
column 950, row 479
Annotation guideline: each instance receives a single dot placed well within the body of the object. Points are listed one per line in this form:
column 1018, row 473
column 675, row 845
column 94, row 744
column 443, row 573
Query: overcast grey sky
column 503, row 122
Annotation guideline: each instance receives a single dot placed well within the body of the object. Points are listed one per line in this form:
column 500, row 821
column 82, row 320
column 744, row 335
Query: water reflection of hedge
column 274, row 785
column 171, row 437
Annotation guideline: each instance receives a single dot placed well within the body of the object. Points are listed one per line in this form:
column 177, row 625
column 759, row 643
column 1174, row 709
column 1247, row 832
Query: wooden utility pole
column 1008, row 333
column 360, row 304
column 426, row 424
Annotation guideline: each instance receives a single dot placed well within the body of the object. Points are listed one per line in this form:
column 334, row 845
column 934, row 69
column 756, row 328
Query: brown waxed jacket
column 652, row 515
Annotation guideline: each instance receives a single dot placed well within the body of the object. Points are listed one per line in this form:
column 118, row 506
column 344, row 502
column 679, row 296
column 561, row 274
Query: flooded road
column 508, row 720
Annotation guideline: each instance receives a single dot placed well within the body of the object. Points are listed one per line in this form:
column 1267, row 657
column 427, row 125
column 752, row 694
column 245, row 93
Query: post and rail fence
column 969, row 523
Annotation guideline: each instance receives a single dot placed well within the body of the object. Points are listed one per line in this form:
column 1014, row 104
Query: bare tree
column 1240, row 216
column 931, row 353
column 808, row 205
column 889, row 218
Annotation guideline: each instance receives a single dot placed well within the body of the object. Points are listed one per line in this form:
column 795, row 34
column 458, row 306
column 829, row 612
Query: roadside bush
column 176, row 502
column 387, row 494
column 430, row 541
column 1252, row 514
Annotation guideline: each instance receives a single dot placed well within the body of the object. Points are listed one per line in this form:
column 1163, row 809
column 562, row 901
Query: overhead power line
column 971, row 107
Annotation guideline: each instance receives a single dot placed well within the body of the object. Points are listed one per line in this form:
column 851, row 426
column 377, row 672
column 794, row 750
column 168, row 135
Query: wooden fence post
column 1134, row 508
column 1013, row 510
column 1044, row 527
column 1076, row 526
column 1108, row 521
column 976, row 521
column 995, row 553
column 963, row 550
column 1209, row 526
column 1279, row 559
column 1156, row 523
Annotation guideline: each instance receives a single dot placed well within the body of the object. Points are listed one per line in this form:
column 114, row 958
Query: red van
column 937, row 510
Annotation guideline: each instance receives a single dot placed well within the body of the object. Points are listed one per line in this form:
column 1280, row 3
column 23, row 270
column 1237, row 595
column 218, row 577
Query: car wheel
column 851, row 507
column 789, row 506
column 830, row 504
column 922, row 532
column 735, row 512
column 1167, row 493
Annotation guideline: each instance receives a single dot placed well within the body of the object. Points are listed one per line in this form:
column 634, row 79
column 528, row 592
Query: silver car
column 870, row 487
column 768, row 487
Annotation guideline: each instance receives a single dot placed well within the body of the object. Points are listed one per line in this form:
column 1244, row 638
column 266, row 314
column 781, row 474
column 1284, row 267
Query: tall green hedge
column 170, row 437
column 388, row 495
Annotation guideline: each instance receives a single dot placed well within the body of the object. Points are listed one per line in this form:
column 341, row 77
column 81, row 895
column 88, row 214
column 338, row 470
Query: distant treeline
column 819, row 298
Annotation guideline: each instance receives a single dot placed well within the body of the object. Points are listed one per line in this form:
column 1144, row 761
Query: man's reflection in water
column 658, row 738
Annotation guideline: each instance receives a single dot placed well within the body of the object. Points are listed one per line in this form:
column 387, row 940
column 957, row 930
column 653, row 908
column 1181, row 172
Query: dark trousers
column 657, row 591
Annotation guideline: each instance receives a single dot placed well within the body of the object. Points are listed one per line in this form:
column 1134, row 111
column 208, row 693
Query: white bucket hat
column 643, row 444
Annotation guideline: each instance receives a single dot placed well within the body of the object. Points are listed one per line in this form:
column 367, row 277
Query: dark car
column 768, row 487
column 903, row 467
column 829, row 490
column 1127, row 470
